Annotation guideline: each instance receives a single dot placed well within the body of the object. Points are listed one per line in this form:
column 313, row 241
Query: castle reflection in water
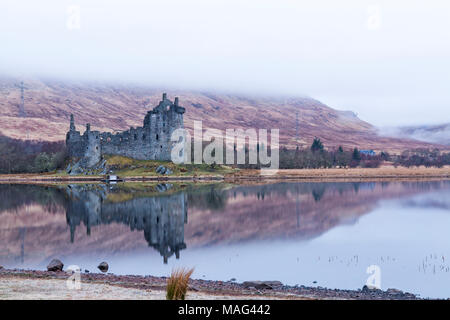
column 220, row 213
column 161, row 217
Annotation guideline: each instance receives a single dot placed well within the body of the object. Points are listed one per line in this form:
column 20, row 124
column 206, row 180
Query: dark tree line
column 317, row 157
column 25, row 156
column 422, row 157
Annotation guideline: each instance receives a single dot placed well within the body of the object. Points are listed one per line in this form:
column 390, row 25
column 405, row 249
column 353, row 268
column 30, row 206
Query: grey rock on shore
column 163, row 170
column 269, row 285
column 103, row 267
column 55, row 265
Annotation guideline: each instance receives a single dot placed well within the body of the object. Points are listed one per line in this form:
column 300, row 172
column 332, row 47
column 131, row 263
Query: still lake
column 307, row 233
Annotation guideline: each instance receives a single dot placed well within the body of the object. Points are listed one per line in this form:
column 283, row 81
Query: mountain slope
column 48, row 105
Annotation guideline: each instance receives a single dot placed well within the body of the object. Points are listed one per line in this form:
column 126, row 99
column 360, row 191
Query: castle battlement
column 149, row 142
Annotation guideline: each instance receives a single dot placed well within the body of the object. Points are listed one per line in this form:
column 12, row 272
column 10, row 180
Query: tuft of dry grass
column 177, row 284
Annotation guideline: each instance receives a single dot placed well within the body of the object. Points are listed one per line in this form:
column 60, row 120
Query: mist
column 386, row 60
column 439, row 134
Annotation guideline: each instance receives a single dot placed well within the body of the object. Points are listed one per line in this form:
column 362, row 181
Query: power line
column 22, row 112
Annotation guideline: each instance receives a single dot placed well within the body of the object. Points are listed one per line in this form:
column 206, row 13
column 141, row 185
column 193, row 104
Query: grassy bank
column 128, row 167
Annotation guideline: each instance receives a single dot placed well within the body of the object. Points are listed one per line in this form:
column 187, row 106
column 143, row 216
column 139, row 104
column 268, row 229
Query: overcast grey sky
column 386, row 60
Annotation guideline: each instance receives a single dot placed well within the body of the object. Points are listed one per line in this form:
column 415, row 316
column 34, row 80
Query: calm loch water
column 314, row 234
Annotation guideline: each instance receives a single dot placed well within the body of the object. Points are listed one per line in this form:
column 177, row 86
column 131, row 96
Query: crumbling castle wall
column 149, row 142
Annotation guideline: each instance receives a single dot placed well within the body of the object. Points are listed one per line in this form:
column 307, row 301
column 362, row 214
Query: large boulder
column 262, row 284
column 103, row 267
column 55, row 265
column 369, row 288
column 161, row 169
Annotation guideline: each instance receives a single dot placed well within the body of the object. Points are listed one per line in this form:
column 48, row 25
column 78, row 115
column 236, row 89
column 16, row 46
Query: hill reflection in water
column 32, row 231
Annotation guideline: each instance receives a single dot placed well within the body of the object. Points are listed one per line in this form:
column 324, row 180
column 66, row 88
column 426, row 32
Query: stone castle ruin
column 149, row 142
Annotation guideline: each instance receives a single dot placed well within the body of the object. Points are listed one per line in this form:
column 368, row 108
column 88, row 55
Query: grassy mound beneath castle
column 128, row 167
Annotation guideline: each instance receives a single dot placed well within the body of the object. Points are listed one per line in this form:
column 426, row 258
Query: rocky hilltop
column 48, row 105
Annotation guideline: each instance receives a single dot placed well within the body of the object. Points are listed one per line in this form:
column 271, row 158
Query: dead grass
column 177, row 284
column 382, row 172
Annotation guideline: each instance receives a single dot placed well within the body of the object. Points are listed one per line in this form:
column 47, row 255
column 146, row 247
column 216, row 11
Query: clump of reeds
column 177, row 284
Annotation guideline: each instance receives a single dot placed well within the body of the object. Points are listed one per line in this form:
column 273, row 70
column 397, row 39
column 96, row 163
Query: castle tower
column 91, row 146
column 72, row 123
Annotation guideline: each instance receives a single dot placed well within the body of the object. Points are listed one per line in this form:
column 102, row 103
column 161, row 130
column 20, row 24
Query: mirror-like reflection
column 161, row 218
column 160, row 215
column 85, row 223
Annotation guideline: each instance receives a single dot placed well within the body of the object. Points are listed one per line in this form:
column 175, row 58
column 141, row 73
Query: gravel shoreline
column 142, row 286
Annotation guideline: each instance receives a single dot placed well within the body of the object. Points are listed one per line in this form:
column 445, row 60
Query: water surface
column 321, row 234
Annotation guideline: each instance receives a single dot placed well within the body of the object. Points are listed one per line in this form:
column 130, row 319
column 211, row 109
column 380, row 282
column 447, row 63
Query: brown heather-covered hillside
column 48, row 105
